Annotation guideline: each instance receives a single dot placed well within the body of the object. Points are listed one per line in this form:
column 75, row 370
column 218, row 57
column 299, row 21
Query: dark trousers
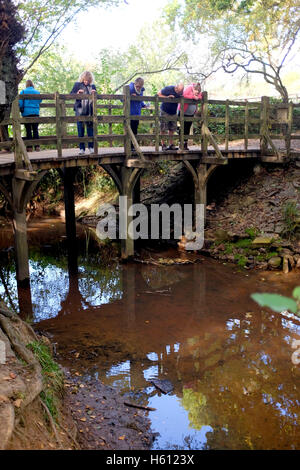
column 90, row 133
column 134, row 127
column 187, row 127
column 32, row 131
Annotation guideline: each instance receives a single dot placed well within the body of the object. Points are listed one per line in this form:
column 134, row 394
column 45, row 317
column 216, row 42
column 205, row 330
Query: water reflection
column 59, row 279
column 234, row 384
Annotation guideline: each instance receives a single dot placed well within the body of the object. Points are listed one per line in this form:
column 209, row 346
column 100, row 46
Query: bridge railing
column 216, row 125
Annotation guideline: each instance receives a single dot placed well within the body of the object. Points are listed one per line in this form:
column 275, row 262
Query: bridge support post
column 127, row 243
column 23, row 184
column 21, row 245
column 200, row 173
column 127, row 181
column 130, row 179
column 69, row 177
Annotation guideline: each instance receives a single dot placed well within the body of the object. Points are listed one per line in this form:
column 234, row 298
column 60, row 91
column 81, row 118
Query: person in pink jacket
column 192, row 92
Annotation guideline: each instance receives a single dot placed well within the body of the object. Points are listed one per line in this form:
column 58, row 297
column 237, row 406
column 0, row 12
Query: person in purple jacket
column 84, row 108
column 136, row 89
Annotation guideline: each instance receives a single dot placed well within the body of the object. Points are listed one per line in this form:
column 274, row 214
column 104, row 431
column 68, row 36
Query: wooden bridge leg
column 127, row 180
column 200, row 173
column 69, row 176
column 127, row 244
column 22, row 187
column 21, row 245
column 201, row 187
column 25, row 301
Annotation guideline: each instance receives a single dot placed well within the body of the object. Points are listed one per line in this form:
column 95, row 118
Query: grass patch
column 291, row 221
column 241, row 260
column 252, row 232
column 243, row 243
column 52, row 377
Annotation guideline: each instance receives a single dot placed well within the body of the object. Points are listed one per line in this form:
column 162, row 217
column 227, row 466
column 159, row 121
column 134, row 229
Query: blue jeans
column 90, row 133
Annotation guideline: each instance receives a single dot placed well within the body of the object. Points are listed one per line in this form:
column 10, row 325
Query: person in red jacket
column 192, row 92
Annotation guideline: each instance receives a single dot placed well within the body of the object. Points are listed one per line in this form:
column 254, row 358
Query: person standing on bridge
column 169, row 110
column 191, row 92
column 84, row 108
column 136, row 89
column 30, row 108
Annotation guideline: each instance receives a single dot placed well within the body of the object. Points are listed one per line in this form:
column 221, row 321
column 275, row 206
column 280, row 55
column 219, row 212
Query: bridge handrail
column 258, row 126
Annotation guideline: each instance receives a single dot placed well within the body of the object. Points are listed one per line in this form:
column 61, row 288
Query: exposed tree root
column 52, row 423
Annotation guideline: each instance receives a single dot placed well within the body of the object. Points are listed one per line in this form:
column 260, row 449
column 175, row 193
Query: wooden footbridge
column 249, row 130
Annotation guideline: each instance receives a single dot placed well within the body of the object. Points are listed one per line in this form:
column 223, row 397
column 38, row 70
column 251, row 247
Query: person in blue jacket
column 84, row 108
column 30, row 108
column 136, row 89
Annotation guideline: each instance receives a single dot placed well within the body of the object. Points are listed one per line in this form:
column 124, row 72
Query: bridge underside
column 17, row 185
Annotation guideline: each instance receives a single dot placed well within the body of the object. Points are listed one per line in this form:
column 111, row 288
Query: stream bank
column 253, row 211
column 126, row 326
column 78, row 416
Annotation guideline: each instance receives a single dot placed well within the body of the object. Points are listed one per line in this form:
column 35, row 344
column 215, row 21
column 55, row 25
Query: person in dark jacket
column 30, row 108
column 136, row 89
column 84, row 108
column 169, row 110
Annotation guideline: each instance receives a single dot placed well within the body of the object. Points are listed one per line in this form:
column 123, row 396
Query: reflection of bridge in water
column 228, row 361
column 258, row 130
column 188, row 325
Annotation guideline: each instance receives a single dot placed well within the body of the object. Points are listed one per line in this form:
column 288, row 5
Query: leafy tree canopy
column 44, row 21
column 255, row 36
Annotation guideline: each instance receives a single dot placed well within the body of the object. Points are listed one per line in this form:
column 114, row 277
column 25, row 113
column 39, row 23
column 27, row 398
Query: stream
column 227, row 361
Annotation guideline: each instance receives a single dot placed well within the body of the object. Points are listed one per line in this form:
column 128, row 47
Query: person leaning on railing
column 84, row 108
column 136, row 88
column 169, row 110
column 192, row 92
column 30, row 108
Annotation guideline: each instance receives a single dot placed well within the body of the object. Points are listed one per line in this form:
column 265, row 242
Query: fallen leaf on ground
column 3, row 398
column 18, row 402
column 121, row 438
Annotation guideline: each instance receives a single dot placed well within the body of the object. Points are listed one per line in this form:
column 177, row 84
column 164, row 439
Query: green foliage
column 44, row 22
column 244, row 243
column 279, row 303
column 52, row 376
column 252, row 232
column 291, row 220
column 250, row 36
column 100, row 182
column 240, row 259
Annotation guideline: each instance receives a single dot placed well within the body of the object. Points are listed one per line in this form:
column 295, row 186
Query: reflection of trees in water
column 54, row 287
column 246, row 390
column 99, row 284
column 8, row 290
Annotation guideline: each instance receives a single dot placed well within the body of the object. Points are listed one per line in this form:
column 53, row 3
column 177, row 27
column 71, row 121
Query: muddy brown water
column 235, row 385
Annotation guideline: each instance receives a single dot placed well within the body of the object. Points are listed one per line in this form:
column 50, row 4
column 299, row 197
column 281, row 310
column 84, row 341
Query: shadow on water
column 229, row 362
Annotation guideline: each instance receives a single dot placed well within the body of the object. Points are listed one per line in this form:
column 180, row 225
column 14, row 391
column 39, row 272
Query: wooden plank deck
column 46, row 159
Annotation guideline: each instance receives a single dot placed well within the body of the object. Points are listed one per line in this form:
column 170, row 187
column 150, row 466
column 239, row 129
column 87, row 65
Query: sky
column 116, row 27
